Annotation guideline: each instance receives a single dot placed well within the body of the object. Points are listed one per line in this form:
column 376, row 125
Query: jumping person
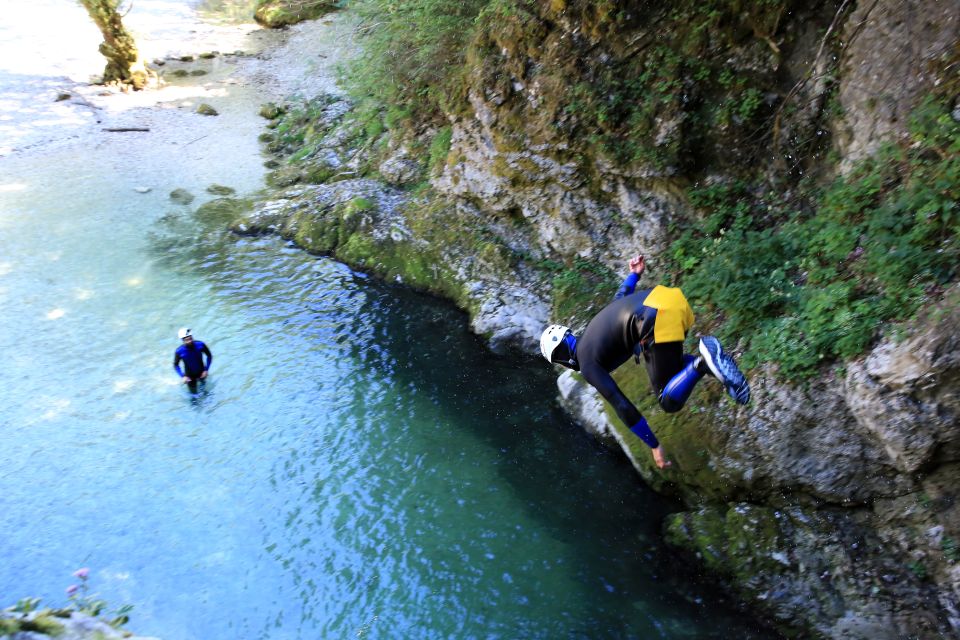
column 191, row 352
column 652, row 324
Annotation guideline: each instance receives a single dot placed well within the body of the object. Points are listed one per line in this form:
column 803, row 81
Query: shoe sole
column 733, row 387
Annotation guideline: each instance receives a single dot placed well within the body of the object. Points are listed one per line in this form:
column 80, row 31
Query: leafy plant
column 806, row 287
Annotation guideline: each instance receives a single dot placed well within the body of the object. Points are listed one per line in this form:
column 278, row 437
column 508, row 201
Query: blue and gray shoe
column 725, row 369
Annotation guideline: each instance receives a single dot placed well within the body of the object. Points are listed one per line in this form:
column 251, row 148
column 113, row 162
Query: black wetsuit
column 626, row 327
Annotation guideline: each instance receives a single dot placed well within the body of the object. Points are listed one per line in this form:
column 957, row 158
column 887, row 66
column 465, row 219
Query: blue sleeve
column 206, row 350
column 642, row 431
column 176, row 363
column 628, row 286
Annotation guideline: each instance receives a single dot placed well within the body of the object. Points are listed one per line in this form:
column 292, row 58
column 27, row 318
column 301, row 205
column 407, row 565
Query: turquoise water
column 358, row 465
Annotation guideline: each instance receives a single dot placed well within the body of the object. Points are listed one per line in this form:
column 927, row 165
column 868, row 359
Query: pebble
column 142, row 189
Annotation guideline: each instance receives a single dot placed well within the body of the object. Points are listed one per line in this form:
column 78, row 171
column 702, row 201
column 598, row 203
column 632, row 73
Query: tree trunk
column 118, row 47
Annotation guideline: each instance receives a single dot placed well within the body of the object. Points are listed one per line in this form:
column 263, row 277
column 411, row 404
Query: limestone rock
column 887, row 66
column 400, row 169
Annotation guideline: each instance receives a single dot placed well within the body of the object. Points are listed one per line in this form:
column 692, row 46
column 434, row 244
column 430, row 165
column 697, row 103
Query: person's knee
column 669, row 405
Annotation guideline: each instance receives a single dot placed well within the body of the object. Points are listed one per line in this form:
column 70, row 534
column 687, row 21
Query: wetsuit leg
column 677, row 391
column 672, row 374
column 663, row 362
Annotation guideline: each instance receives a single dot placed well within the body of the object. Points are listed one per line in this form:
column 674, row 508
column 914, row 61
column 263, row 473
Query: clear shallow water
column 358, row 465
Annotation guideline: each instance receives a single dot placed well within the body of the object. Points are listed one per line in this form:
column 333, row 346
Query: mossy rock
column 223, row 211
column 740, row 541
column 689, row 437
column 42, row 623
column 282, row 13
column 271, row 111
column 221, row 190
column 180, row 73
column 284, row 177
column 206, row 110
column 181, row 196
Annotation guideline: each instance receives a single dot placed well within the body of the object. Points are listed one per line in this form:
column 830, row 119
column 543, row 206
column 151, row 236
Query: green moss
column 223, row 211
column 580, row 290
column 44, row 624
column 739, row 541
column 689, row 438
column 440, row 147
column 358, row 205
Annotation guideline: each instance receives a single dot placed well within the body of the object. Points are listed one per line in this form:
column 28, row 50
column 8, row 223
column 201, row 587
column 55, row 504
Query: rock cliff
column 830, row 502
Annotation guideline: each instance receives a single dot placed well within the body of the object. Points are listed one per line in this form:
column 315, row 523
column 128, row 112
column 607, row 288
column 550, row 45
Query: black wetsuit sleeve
column 629, row 414
column 206, row 350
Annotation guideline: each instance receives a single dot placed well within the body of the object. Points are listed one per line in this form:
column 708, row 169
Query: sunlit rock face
column 888, row 64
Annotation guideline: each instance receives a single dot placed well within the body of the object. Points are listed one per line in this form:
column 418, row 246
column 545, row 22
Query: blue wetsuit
column 192, row 357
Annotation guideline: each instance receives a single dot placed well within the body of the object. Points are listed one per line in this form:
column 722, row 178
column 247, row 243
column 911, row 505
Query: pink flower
column 72, row 589
column 82, row 573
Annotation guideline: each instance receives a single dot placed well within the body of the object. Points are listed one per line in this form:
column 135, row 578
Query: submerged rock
column 181, row 196
column 221, row 190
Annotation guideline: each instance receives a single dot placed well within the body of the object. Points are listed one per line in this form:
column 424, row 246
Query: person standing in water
column 652, row 324
column 191, row 353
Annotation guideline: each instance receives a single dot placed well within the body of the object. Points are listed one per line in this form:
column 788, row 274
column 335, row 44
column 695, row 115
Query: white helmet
column 551, row 338
column 183, row 333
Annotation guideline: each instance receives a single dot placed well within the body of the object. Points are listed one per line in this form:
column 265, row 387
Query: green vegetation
column 27, row 615
column 804, row 287
column 580, row 290
column 800, row 274
column 414, row 52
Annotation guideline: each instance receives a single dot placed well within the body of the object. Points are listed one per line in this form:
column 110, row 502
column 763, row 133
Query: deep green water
column 358, row 466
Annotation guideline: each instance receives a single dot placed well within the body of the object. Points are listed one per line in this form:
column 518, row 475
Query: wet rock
column 142, row 189
column 185, row 58
column 271, row 111
column 181, row 196
column 207, row 55
column 206, row 110
column 198, row 72
column 220, row 190
column 63, row 96
column 180, row 73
